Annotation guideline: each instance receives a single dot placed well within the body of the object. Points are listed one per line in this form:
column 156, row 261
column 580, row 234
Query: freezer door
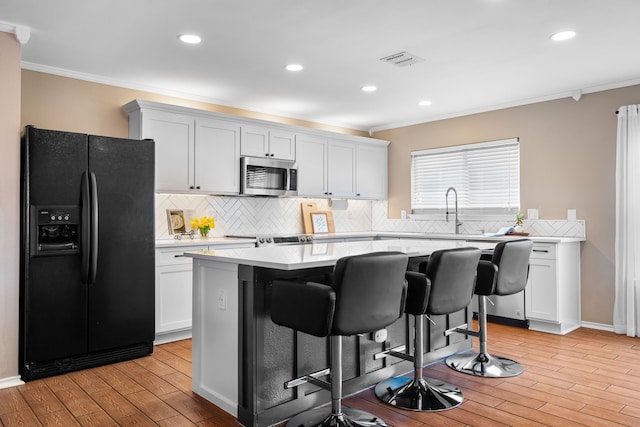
column 121, row 300
column 53, row 300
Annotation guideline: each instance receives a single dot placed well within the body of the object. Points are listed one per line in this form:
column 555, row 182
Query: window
column 486, row 177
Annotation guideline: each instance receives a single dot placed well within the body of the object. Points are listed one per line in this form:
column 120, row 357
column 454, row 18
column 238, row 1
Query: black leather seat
column 446, row 287
column 367, row 293
column 505, row 273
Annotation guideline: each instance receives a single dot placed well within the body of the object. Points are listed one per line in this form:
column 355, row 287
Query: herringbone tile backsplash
column 257, row 215
column 274, row 215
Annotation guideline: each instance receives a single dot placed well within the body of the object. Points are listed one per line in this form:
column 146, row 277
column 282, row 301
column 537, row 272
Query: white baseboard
column 10, row 382
column 166, row 337
column 600, row 326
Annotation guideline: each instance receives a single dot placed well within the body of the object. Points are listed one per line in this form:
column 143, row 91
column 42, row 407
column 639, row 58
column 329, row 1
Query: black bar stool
column 505, row 273
column 367, row 293
column 446, row 287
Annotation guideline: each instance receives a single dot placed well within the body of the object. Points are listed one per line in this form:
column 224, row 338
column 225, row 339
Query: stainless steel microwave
column 268, row 177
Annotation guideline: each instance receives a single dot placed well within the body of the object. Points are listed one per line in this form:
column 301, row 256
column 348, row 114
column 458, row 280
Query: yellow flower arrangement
column 203, row 224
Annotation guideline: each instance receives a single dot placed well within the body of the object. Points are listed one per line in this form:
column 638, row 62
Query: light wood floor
column 587, row 377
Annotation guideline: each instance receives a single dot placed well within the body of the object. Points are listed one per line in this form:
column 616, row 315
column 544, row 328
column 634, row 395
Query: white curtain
column 626, row 310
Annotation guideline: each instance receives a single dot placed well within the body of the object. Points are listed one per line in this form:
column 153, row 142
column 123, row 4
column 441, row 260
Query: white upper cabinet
column 199, row 152
column 192, row 154
column 338, row 168
column 174, row 137
column 311, row 158
column 258, row 141
column 341, row 174
column 217, row 156
column 371, row 171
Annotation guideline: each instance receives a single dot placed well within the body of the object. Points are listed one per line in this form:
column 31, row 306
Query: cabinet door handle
column 191, row 187
column 271, row 155
column 541, row 250
column 178, row 256
column 198, row 187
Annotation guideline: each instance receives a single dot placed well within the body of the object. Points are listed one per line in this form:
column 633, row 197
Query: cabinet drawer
column 544, row 251
column 174, row 256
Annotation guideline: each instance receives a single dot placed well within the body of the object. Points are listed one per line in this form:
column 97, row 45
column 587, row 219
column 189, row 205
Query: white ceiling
column 478, row 55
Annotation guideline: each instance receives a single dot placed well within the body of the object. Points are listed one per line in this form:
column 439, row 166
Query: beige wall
column 54, row 102
column 9, row 204
column 567, row 162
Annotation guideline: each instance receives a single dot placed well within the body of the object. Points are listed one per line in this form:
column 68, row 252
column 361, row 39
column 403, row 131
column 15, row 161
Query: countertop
column 295, row 257
column 444, row 236
column 222, row 241
column 199, row 241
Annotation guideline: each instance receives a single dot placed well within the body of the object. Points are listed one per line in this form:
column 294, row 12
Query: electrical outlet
column 222, row 299
column 403, row 214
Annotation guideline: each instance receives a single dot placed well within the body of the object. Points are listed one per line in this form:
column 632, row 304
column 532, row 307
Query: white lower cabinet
column 552, row 296
column 174, row 274
column 174, row 290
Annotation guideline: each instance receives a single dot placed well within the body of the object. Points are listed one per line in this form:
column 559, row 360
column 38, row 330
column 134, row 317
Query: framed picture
column 176, row 221
column 319, row 221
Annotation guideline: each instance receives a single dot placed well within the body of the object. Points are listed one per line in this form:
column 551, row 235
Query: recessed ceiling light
column 369, row 88
column 294, row 67
column 189, row 38
column 563, row 35
column 424, row 103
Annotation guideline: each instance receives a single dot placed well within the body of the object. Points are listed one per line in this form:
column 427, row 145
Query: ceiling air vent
column 401, row 59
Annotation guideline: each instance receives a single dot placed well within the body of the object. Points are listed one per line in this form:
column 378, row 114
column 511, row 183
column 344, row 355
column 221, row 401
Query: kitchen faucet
column 446, row 196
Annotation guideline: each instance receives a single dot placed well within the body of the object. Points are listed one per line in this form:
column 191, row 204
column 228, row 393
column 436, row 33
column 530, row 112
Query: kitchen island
column 241, row 359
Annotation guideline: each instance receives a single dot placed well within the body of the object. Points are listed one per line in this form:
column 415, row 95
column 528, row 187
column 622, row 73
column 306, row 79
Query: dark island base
column 270, row 355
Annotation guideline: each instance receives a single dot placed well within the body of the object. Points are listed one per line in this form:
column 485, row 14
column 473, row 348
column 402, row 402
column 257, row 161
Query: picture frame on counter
column 176, row 221
column 320, row 222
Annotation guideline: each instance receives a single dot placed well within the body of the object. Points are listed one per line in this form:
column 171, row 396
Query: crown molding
column 575, row 94
column 22, row 33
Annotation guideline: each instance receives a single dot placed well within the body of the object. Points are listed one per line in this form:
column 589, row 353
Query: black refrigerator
column 87, row 261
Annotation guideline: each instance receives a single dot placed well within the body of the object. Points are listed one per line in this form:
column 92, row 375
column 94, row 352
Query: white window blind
column 486, row 177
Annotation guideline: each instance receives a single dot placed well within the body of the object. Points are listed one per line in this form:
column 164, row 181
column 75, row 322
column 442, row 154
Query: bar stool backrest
column 370, row 292
column 512, row 261
column 452, row 275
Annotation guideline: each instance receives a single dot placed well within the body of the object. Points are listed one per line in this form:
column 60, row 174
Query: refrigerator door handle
column 94, row 229
column 85, row 249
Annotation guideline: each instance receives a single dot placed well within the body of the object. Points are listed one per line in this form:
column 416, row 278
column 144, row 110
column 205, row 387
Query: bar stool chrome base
column 484, row 365
column 348, row 417
column 419, row 394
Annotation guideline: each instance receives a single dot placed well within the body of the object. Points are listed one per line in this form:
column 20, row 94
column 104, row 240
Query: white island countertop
column 295, row 257
column 324, row 237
